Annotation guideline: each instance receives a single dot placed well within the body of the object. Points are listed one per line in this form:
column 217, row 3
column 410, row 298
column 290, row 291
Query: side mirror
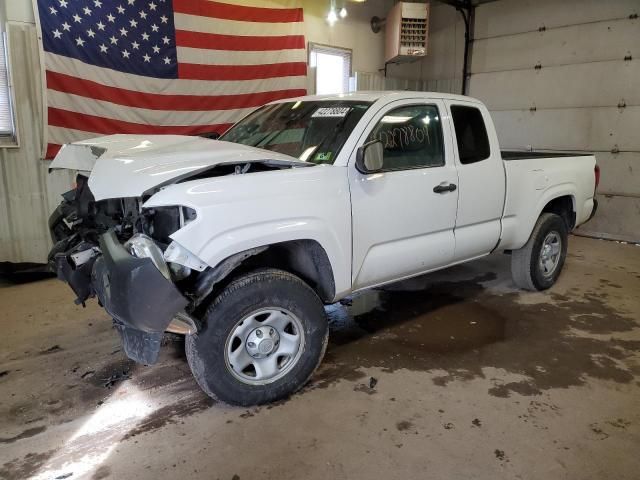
column 369, row 157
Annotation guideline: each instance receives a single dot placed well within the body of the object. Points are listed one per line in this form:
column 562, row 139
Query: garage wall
column 554, row 75
column 441, row 69
column 354, row 32
column 28, row 193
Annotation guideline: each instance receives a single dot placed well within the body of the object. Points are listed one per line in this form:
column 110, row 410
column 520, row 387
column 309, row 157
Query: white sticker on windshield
column 326, row 112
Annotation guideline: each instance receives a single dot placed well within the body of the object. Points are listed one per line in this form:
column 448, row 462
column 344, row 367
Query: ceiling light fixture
column 332, row 17
column 343, row 12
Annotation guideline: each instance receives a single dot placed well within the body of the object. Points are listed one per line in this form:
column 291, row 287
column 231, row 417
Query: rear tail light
column 596, row 172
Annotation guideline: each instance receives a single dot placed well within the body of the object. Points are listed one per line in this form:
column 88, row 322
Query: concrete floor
column 456, row 375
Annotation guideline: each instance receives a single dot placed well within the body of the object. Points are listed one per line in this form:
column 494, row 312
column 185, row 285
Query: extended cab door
column 404, row 215
column 481, row 178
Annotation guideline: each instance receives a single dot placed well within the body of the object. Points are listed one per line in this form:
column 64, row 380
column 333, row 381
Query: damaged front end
column 115, row 250
column 109, row 246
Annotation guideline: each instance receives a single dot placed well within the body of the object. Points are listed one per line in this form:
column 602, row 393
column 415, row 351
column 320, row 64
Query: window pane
column 473, row 142
column 6, row 121
column 411, row 136
column 333, row 68
column 330, row 73
column 312, row 131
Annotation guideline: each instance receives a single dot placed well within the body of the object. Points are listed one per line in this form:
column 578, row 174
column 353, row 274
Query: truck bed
column 535, row 179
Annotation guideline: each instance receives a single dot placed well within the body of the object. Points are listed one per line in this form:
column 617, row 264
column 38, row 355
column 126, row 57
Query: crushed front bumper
column 132, row 290
column 140, row 299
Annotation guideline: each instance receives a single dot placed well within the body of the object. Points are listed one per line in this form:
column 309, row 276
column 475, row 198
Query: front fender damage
column 209, row 278
column 93, row 229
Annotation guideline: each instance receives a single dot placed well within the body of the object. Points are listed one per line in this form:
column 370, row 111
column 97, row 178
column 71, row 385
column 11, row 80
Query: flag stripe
column 52, row 150
column 91, row 106
column 121, row 96
column 240, row 72
column 108, row 126
column 61, row 64
column 60, row 136
column 194, row 23
column 225, row 57
column 214, row 41
column 207, row 8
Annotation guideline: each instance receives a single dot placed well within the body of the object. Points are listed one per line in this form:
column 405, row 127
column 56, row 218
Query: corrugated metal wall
column 27, row 193
column 554, row 75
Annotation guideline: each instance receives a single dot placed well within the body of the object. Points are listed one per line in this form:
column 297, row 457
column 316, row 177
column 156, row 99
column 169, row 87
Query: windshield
column 312, row 131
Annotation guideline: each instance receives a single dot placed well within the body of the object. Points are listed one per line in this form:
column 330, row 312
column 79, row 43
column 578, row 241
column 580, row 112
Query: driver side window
column 411, row 136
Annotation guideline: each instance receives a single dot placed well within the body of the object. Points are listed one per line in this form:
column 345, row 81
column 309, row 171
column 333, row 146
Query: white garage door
column 565, row 75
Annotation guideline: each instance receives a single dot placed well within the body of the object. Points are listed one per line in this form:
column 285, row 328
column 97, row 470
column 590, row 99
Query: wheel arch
column 305, row 258
column 519, row 224
column 565, row 207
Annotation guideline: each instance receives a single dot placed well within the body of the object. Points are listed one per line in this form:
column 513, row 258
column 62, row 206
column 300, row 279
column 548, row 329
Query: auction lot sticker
column 329, row 112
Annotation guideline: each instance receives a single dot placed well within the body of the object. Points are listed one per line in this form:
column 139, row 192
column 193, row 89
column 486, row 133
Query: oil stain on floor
column 461, row 328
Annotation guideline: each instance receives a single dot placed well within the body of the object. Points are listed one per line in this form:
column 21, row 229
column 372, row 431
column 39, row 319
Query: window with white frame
column 332, row 68
column 7, row 127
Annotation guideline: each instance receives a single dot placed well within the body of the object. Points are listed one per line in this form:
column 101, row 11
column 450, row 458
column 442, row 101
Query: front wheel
column 262, row 339
column 537, row 265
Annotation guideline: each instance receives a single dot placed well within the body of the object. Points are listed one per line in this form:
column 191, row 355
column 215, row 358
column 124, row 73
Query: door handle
column 451, row 187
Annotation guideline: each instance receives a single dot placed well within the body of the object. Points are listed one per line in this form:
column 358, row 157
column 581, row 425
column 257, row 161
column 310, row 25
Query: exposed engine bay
column 79, row 221
column 122, row 253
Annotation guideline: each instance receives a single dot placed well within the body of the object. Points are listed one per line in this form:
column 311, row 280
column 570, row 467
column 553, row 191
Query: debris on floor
column 117, row 377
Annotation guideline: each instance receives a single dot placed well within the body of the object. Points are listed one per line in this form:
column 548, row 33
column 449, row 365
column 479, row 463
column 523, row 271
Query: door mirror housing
column 369, row 157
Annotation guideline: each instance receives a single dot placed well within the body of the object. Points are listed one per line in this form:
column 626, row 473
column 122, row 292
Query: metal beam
column 457, row 4
column 467, row 10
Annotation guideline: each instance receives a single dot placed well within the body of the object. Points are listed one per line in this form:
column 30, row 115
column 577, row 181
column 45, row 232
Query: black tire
column 526, row 270
column 261, row 289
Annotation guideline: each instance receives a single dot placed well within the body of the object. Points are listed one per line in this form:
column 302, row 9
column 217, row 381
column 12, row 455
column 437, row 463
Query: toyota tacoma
column 239, row 242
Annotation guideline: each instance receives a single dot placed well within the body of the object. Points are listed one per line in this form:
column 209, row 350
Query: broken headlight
column 141, row 246
column 162, row 222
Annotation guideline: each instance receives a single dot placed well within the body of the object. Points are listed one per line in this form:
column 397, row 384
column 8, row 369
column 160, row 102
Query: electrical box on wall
column 407, row 29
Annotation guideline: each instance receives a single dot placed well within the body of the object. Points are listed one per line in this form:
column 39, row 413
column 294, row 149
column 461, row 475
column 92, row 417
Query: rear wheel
column 537, row 265
column 262, row 339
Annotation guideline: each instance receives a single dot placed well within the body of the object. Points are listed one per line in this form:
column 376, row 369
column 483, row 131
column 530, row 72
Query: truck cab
column 438, row 198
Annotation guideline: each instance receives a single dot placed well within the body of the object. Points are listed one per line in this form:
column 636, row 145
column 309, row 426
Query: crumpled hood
column 129, row 165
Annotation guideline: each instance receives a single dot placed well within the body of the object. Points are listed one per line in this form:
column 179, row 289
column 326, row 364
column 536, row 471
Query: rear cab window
column 471, row 134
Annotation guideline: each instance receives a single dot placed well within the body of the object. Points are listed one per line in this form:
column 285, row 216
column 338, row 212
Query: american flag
column 164, row 66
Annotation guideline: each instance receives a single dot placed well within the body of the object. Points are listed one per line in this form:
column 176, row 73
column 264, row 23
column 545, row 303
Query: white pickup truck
column 238, row 243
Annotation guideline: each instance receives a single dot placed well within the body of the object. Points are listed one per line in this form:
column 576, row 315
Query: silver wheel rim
column 550, row 254
column 264, row 346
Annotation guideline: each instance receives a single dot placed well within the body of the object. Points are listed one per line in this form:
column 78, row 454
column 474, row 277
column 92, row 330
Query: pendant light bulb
column 332, row 17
